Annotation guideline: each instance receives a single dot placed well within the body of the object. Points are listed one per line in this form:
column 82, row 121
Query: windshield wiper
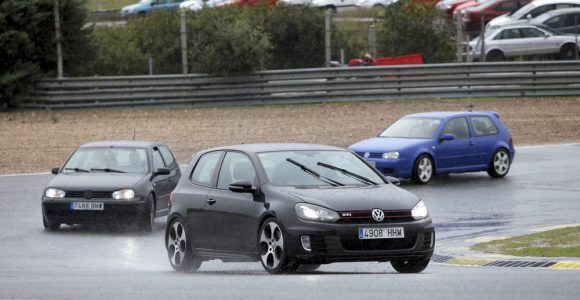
column 78, row 170
column 314, row 173
column 108, row 170
column 348, row 173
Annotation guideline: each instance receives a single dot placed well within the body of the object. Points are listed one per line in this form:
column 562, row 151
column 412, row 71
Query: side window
column 556, row 22
column 540, row 10
column 532, row 33
column 457, row 127
column 167, row 157
column 205, row 167
column 236, row 166
column 157, row 160
column 483, row 126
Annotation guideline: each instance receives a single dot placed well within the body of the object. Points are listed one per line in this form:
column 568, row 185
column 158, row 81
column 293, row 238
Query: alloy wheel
column 501, row 163
column 425, row 169
column 177, row 244
column 271, row 245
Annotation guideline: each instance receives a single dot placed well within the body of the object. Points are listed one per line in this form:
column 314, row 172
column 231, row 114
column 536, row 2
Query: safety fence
column 429, row 81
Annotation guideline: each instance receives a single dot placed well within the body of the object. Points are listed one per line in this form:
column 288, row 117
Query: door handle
column 210, row 201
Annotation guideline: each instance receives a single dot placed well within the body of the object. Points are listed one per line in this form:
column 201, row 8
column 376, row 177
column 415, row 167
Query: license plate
column 381, row 233
column 87, row 206
column 372, row 163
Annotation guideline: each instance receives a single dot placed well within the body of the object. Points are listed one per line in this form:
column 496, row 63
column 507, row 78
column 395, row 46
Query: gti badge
column 378, row 215
column 366, row 155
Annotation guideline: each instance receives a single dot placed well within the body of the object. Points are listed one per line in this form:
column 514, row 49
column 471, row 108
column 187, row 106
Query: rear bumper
column 113, row 210
column 340, row 242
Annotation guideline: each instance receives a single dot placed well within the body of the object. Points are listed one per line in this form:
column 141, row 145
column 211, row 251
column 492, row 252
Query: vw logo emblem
column 88, row 195
column 378, row 215
column 366, row 155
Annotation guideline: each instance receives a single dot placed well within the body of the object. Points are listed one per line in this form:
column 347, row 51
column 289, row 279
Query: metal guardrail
column 513, row 79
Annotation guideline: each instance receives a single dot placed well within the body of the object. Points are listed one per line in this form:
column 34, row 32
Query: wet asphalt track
column 542, row 189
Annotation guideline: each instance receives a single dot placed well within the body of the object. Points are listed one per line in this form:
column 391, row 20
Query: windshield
column 117, row 160
column 522, row 11
column 316, row 168
column 412, row 128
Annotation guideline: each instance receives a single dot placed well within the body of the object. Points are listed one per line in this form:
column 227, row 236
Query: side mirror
column 528, row 16
column 393, row 180
column 241, row 186
column 447, row 137
column 162, row 171
column 55, row 171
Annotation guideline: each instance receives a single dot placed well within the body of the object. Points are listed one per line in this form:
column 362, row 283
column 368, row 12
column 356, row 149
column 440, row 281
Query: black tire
column 273, row 249
column 568, row 52
column 410, row 265
column 50, row 225
column 423, row 169
column 148, row 219
column 308, row 268
column 495, row 55
column 179, row 250
column 499, row 165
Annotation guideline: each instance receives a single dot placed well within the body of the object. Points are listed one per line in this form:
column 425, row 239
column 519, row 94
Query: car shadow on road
column 115, row 228
column 458, row 179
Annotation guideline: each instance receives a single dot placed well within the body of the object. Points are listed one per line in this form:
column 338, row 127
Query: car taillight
column 511, row 141
column 170, row 199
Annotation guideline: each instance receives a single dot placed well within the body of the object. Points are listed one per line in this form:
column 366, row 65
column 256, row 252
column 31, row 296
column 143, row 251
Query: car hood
column 95, row 181
column 384, row 196
column 381, row 144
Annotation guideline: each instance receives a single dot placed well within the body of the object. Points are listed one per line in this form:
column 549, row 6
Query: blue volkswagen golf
column 417, row 146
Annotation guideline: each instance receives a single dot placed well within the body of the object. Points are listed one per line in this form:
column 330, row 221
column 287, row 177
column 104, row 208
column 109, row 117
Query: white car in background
column 530, row 11
column 374, row 3
column 334, row 4
column 297, row 2
column 193, row 5
column 523, row 40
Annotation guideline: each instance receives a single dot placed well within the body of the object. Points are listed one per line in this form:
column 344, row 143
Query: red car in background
column 472, row 11
column 448, row 6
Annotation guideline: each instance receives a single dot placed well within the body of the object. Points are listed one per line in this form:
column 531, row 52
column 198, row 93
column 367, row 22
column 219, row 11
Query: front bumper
column 340, row 243
column 399, row 167
column 113, row 210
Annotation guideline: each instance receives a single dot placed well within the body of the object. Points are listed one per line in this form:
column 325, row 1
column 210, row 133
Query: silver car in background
column 530, row 11
column 523, row 40
column 566, row 20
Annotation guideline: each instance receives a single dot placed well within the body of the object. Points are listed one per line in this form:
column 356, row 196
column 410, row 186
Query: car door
column 162, row 184
column 230, row 221
column 509, row 41
column 539, row 42
column 485, row 138
column 172, row 178
column 457, row 153
column 201, row 180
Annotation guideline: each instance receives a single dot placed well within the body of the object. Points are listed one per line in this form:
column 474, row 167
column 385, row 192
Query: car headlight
column 54, row 193
column 125, row 194
column 419, row 211
column 391, row 155
column 315, row 213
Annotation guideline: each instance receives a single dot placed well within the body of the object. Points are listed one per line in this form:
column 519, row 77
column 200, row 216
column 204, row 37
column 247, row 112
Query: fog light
column 306, row 242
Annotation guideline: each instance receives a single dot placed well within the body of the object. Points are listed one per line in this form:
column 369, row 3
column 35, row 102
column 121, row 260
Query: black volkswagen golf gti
column 293, row 206
column 108, row 181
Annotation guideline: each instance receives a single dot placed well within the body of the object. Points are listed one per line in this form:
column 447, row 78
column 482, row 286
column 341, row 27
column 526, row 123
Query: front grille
column 353, row 243
column 365, row 217
column 88, row 194
column 428, row 239
column 371, row 155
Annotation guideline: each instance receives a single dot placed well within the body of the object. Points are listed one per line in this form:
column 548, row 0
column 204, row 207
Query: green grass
column 109, row 4
column 564, row 242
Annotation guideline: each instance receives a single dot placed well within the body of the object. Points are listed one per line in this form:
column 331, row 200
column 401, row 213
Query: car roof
column 559, row 11
column 544, row 2
column 120, row 144
column 449, row 114
column 271, row 147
